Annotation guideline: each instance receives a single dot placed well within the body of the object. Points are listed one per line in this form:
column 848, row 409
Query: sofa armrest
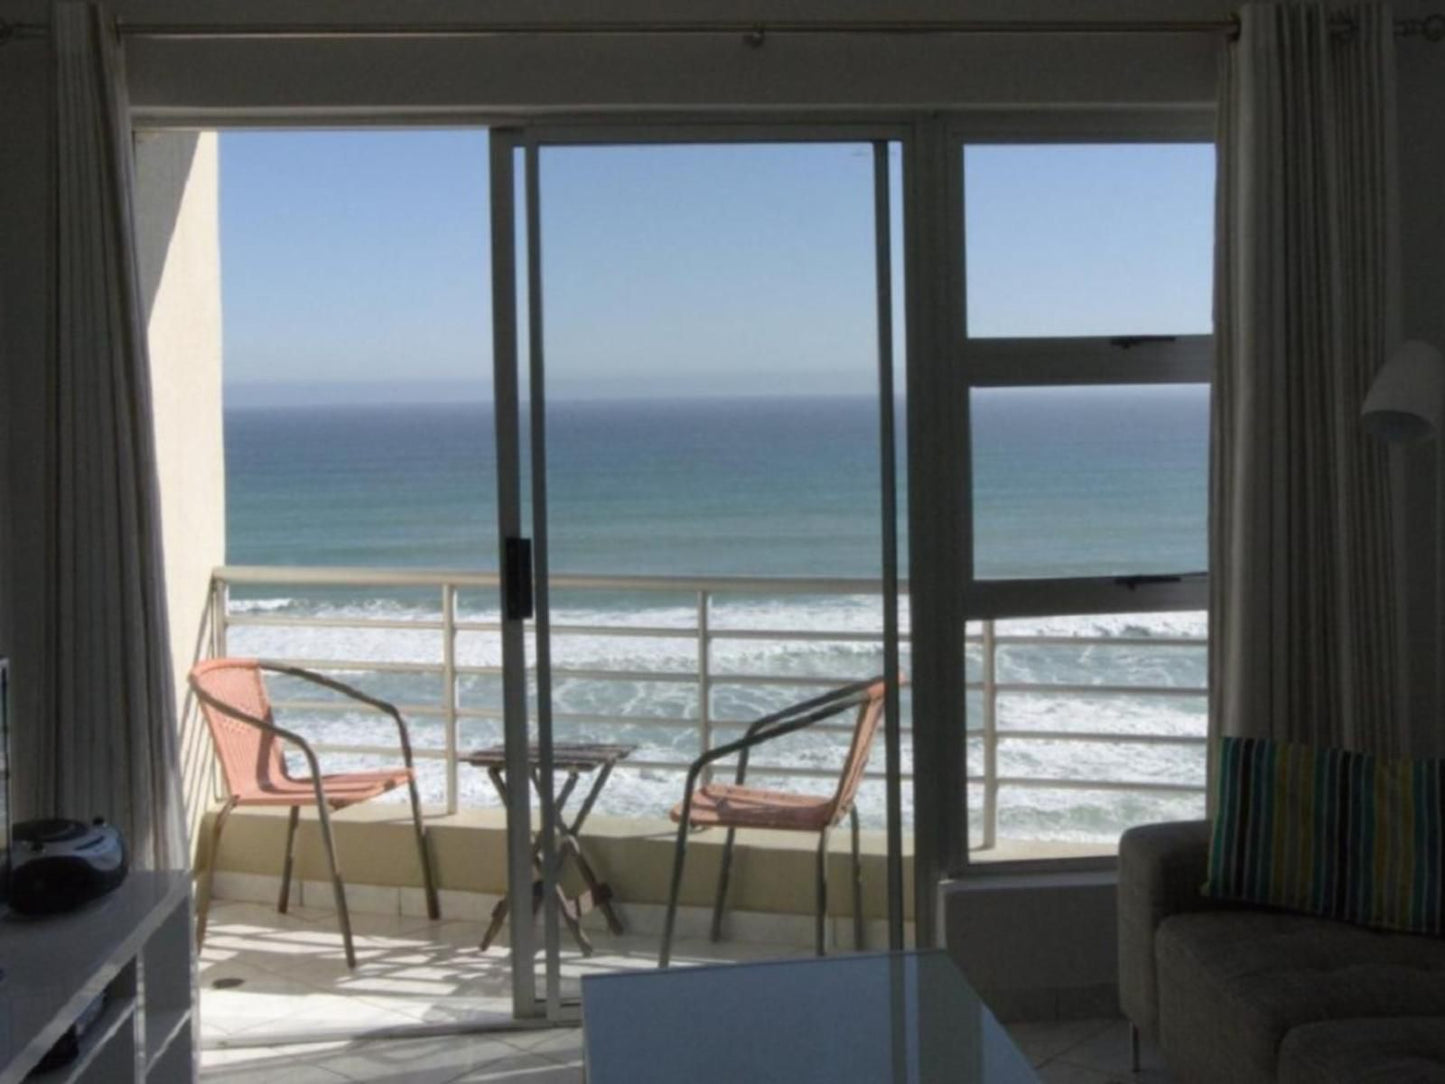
column 1161, row 870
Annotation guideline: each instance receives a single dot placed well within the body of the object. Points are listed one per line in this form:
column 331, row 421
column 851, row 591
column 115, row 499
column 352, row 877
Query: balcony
column 673, row 665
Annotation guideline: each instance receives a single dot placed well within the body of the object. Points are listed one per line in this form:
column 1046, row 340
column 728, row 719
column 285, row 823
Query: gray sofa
column 1239, row 994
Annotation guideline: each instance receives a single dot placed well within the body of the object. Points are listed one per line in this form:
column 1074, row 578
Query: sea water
column 1068, row 482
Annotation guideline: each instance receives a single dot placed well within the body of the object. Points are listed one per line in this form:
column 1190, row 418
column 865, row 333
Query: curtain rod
column 1430, row 27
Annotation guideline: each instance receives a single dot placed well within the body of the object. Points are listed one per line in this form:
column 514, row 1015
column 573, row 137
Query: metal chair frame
column 268, row 725
column 779, row 724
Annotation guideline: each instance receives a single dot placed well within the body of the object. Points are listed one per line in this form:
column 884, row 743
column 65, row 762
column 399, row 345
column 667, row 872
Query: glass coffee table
column 881, row 1018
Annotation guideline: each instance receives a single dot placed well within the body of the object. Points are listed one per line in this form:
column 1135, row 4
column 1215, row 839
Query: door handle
column 517, row 579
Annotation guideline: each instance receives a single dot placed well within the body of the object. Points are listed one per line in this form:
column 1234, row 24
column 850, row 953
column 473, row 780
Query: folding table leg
column 597, row 890
column 499, row 915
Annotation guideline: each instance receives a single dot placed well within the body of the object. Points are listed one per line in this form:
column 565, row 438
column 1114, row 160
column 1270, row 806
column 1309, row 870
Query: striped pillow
column 1329, row 832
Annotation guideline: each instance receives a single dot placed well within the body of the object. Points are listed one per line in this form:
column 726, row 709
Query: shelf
column 113, row 1018
column 176, row 1066
column 162, row 1027
column 134, row 946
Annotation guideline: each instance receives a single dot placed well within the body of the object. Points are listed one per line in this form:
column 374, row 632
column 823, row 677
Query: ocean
column 1068, row 482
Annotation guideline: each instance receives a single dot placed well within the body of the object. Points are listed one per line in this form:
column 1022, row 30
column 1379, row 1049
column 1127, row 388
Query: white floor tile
column 423, row 1061
column 1107, row 1050
column 272, row 1057
column 295, row 986
column 1062, row 1072
column 268, row 1066
column 1042, row 1041
column 525, row 1069
column 563, row 1044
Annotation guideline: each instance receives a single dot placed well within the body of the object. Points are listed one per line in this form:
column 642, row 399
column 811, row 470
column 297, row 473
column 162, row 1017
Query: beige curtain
column 108, row 701
column 1304, row 642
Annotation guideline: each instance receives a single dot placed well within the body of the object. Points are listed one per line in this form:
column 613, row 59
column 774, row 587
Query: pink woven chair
column 232, row 695
column 736, row 805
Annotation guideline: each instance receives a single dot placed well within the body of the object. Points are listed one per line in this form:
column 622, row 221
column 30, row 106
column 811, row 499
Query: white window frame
column 1054, row 362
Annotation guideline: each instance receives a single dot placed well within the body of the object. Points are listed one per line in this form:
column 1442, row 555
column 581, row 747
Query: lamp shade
column 1405, row 401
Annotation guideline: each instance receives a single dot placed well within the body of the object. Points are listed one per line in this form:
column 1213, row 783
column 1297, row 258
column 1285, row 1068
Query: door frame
column 525, row 140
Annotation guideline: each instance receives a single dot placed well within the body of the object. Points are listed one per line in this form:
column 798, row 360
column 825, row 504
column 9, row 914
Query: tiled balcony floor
column 265, row 974
column 294, row 986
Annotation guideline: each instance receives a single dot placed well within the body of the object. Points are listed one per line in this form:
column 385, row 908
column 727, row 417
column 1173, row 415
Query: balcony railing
column 701, row 637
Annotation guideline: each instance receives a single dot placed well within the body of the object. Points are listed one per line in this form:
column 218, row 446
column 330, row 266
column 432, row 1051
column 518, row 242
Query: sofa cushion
column 1233, row 984
column 1397, row 1050
column 1330, row 832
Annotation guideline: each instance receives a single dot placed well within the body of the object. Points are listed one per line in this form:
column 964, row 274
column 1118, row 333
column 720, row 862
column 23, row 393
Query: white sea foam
column 628, row 703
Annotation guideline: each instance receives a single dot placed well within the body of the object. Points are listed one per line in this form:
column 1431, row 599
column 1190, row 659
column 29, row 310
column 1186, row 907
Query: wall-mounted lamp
column 1405, row 401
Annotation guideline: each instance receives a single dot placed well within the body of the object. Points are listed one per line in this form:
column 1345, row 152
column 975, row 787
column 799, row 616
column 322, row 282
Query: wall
column 179, row 257
column 773, row 874
column 260, row 79
column 266, row 79
column 181, row 80
column 1037, row 946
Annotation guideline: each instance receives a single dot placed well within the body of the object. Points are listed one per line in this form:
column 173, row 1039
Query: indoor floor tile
column 1042, row 1041
column 1086, row 1052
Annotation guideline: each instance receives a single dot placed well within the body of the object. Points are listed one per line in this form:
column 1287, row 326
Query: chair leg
column 203, row 897
column 722, row 885
column 679, row 854
column 857, row 882
column 1133, row 1047
column 342, row 915
column 821, row 924
column 285, row 899
column 433, row 906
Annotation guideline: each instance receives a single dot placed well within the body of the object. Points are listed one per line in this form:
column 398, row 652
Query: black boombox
column 57, row 865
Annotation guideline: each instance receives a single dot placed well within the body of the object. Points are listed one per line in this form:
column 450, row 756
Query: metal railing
column 449, row 623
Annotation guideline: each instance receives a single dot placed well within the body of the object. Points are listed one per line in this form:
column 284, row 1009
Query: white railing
column 705, row 633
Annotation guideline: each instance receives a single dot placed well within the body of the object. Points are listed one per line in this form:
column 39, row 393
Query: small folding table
column 575, row 760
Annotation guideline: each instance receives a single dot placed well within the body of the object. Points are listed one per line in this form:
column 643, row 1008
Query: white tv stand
column 135, row 946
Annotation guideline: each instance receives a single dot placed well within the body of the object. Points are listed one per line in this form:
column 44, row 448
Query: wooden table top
column 566, row 756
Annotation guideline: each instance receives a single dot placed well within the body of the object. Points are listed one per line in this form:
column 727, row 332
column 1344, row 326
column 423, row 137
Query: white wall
column 178, row 238
column 262, row 79
column 1036, row 946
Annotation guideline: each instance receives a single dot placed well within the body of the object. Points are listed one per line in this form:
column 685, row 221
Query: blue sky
column 356, row 259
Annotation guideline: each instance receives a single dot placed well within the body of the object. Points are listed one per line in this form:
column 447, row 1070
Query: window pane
column 1073, row 767
column 1090, row 481
column 712, row 359
column 1082, row 240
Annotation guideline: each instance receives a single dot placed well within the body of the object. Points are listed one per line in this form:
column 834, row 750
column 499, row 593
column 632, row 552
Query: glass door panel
column 714, row 534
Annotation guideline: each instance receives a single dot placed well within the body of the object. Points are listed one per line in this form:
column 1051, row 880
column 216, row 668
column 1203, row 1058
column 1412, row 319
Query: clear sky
column 356, row 264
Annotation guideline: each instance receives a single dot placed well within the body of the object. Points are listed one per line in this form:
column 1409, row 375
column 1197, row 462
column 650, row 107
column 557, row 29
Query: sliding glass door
column 699, row 515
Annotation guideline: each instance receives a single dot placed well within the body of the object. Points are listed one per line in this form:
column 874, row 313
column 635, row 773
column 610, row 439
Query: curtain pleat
column 1304, row 641
column 108, row 690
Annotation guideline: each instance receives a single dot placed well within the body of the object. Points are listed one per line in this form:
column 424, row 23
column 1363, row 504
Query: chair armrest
column 779, row 723
column 1161, row 870
column 789, row 721
column 233, row 712
column 383, row 706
